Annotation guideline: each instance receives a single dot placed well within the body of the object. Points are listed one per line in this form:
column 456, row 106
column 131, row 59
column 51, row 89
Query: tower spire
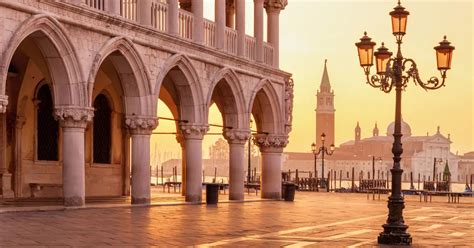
column 325, row 84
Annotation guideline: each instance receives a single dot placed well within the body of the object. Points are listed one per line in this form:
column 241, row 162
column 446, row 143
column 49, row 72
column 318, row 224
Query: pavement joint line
column 300, row 244
column 301, row 229
column 108, row 206
column 429, row 228
column 457, row 234
column 453, row 218
column 360, row 244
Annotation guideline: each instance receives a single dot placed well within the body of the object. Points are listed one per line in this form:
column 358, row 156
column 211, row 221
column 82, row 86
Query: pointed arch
column 136, row 86
column 191, row 100
column 269, row 117
column 60, row 55
column 233, row 87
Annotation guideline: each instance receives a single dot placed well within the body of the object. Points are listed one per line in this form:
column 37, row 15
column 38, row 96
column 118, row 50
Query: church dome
column 406, row 129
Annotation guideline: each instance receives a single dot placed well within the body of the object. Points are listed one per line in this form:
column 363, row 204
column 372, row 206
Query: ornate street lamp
column 395, row 72
column 322, row 150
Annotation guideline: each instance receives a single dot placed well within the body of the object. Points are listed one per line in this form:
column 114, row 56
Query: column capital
column 275, row 5
column 73, row 117
column 236, row 136
column 193, row 131
column 3, row 103
column 270, row 142
column 141, row 124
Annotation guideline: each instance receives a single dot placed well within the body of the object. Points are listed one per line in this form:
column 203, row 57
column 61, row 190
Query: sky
column 314, row 30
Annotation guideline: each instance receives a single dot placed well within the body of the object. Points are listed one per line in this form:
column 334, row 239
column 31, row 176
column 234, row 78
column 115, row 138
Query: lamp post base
column 394, row 235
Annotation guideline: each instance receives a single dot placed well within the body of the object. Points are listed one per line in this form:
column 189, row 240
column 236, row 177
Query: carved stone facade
column 71, row 53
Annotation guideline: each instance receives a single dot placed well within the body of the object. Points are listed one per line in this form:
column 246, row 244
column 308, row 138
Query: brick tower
column 325, row 110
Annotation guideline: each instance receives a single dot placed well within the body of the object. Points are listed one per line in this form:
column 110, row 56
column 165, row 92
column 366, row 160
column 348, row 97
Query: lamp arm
column 383, row 82
column 432, row 84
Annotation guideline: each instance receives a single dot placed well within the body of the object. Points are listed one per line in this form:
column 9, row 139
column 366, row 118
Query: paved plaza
column 313, row 220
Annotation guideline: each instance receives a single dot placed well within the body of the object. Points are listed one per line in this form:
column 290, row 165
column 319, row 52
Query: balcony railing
column 231, row 40
column 185, row 23
column 159, row 15
column 209, row 33
column 267, row 54
column 129, row 9
column 97, row 4
column 159, row 20
column 250, row 47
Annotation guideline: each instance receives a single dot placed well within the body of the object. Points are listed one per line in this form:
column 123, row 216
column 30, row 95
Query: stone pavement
column 313, row 220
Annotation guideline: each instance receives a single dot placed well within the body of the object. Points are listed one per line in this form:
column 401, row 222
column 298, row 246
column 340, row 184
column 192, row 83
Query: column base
column 394, row 239
column 140, row 200
column 236, row 196
column 193, row 198
column 75, row 201
column 5, row 186
column 271, row 195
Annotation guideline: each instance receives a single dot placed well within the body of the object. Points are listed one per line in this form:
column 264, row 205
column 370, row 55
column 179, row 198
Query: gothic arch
column 132, row 73
column 235, row 110
column 59, row 54
column 180, row 70
column 268, row 111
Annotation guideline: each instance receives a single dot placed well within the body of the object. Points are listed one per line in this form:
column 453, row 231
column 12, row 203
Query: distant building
column 424, row 155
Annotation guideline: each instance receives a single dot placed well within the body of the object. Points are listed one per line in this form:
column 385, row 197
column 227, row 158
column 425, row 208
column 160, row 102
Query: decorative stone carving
column 289, row 105
column 73, row 117
column 236, row 136
column 141, row 124
column 191, row 131
column 270, row 143
column 3, row 104
column 276, row 4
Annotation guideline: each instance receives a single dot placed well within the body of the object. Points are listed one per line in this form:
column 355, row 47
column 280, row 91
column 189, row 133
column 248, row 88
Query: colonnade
column 227, row 13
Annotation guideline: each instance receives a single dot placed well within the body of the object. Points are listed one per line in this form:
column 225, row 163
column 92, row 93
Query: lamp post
column 249, row 155
column 436, row 161
column 322, row 150
column 396, row 73
column 373, row 165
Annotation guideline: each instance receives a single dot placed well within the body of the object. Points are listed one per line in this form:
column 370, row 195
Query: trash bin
column 212, row 193
column 289, row 190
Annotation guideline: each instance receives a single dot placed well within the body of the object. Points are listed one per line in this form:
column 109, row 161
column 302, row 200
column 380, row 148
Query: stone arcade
column 80, row 82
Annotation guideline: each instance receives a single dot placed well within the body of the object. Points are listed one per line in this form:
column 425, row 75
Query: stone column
column 20, row 122
column 140, row 129
column 258, row 28
column 230, row 13
column 273, row 8
column 173, row 10
column 237, row 140
column 271, row 149
column 198, row 20
column 182, row 142
column 5, row 176
column 73, row 121
column 144, row 12
column 240, row 26
column 220, row 23
column 193, row 135
column 112, row 6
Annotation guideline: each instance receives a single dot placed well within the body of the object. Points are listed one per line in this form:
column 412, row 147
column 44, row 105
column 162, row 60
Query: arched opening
column 108, row 153
column 179, row 90
column 102, row 130
column 30, row 134
column 47, row 128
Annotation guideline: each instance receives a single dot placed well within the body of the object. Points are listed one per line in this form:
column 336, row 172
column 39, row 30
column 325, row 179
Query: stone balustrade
column 162, row 16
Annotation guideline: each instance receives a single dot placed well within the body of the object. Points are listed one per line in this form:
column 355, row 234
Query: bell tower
column 325, row 111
